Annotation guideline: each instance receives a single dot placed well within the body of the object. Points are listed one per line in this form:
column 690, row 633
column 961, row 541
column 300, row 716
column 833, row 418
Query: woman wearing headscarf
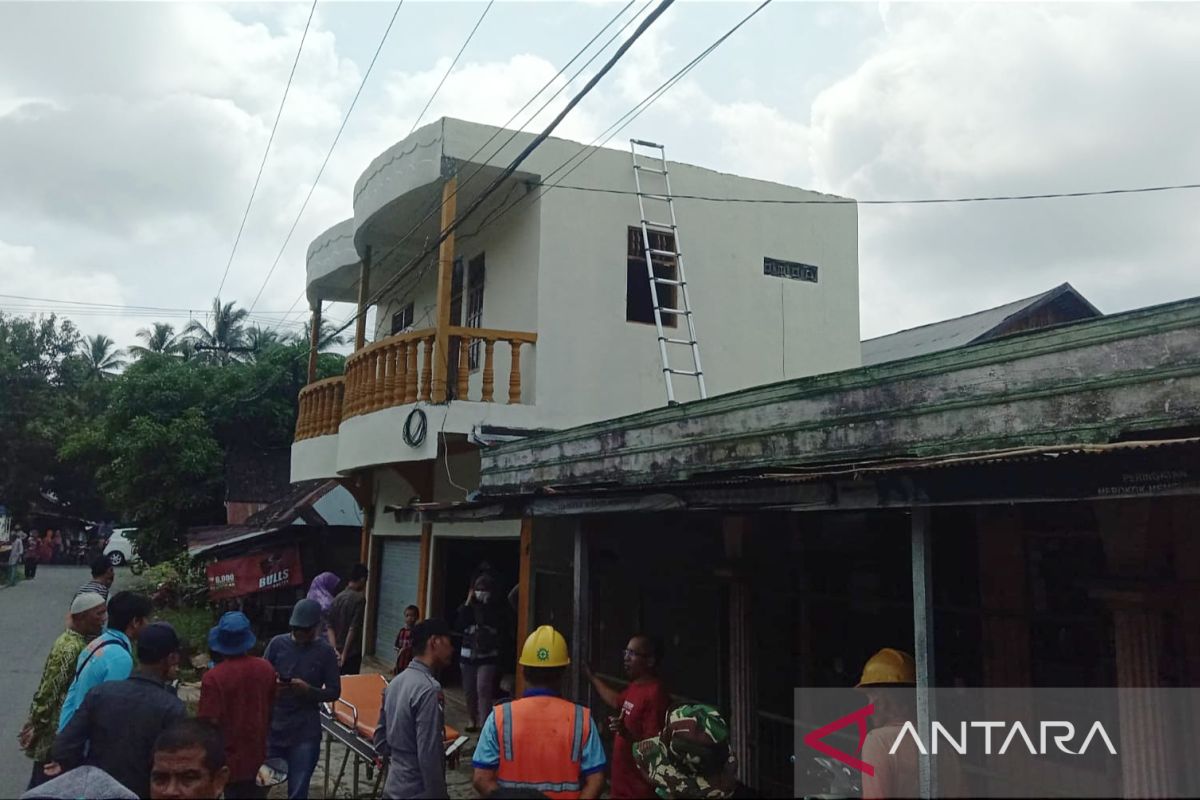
column 323, row 590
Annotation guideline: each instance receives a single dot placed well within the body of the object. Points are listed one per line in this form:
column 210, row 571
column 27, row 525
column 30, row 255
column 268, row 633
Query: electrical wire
column 895, row 202
column 278, row 114
column 437, row 206
column 328, row 154
column 449, row 69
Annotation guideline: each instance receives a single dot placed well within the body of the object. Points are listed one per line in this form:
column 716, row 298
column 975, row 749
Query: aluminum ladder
column 654, row 166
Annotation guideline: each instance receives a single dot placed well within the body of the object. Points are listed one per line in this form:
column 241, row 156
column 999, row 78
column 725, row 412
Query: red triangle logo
column 858, row 718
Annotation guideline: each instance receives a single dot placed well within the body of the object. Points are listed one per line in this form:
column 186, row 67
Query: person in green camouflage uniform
column 88, row 614
column 691, row 757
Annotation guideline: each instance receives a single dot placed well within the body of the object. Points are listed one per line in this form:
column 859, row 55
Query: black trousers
column 38, row 777
column 30, row 569
column 353, row 664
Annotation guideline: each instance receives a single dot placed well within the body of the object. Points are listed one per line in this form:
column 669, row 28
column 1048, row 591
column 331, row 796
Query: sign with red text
column 260, row 572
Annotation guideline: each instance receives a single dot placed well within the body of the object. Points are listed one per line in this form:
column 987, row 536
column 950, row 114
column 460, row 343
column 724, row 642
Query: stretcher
column 351, row 720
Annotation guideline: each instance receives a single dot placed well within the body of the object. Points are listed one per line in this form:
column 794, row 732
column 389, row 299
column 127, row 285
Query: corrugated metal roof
column 957, row 332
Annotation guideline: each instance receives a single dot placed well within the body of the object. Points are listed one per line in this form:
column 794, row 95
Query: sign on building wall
column 273, row 569
column 778, row 268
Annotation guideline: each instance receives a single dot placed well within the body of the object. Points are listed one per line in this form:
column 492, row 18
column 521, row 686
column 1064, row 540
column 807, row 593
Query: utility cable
column 449, row 69
column 278, row 114
column 328, row 154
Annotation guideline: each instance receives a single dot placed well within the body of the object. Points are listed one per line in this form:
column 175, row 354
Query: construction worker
column 888, row 679
column 541, row 742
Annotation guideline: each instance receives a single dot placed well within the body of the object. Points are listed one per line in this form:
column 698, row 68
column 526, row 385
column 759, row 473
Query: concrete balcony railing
column 402, row 369
column 320, row 408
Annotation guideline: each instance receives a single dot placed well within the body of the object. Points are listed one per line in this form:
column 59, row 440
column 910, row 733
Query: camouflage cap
column 691, row 757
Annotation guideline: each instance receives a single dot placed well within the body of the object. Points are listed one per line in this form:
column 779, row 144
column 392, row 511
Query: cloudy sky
column 130, row 135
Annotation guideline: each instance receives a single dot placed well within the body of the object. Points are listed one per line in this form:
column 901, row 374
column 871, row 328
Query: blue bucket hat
column 232, row 635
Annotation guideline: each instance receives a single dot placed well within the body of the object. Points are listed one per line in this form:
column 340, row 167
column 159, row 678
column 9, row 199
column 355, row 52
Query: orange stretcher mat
column 361, row 701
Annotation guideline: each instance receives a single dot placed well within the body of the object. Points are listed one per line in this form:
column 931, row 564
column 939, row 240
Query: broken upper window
column 639, row 304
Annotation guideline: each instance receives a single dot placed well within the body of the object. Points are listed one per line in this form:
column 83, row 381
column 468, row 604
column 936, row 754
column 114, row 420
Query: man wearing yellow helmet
column 541, row 742
column 888, row 679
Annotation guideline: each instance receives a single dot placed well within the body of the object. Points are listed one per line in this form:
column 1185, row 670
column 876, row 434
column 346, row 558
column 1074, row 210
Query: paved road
column 32, row 615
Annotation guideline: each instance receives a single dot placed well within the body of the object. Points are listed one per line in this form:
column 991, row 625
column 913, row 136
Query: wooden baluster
column 389, row 370
column 385, row 356
column 348, row 396
column 317, row 412
column 352, row 382
column 299, row 435
column 464, row 367
column 427, row 370
column 489, row 371
column 376, row 373
column 410, row 389
column 514, row 376
column 328, row 425
column 401, row 388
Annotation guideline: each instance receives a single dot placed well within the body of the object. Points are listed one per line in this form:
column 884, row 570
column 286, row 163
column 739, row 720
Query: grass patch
column 192, row 625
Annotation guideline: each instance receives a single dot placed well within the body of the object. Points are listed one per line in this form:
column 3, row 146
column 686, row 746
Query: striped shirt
column 95, row 587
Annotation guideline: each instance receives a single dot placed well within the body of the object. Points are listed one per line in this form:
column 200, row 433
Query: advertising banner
column 260, row 572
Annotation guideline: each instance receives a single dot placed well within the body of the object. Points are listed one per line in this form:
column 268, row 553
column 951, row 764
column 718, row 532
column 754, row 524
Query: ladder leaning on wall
column 653, row 169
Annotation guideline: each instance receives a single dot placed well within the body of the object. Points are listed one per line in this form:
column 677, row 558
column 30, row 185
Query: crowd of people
column 27, row 550
column 102, row 724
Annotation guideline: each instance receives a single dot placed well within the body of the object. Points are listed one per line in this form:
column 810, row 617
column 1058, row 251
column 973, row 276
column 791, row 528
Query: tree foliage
column 147, row 443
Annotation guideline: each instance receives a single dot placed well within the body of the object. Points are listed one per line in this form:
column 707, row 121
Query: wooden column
column 364, row 542
column 742, row 663
column 922, row 587
column 1138, row 567
column 524, row 598
column 364, row 293
column 581, row 619
column 423, row 568
column 371, row 617
column 314, row 342
column 445, row 275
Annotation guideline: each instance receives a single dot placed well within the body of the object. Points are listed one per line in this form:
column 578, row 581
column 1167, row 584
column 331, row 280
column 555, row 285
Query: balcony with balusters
column 356, row 419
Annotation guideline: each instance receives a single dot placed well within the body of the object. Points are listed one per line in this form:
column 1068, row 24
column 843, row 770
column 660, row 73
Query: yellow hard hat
column 888, row 667
column 545, row 647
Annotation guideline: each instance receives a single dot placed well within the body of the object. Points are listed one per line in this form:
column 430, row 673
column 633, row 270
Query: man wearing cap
column 37, row 736
column 237, row 696
column 690, row 757
column 118, row 722
column 108, row 657
column 541, row 742
column 308, row 676
column 888, row 679
column 412, row 724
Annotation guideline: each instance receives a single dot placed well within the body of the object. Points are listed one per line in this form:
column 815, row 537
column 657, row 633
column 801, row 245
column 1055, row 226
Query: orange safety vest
column 541, row 741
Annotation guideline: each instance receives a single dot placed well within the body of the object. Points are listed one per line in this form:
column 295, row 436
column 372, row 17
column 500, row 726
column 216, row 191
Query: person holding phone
column 307, row 668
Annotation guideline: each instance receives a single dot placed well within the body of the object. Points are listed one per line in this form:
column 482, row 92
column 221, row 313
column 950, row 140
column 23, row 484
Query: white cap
column 86, row 602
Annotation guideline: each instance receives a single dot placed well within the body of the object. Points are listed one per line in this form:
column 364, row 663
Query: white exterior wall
column 752, row 328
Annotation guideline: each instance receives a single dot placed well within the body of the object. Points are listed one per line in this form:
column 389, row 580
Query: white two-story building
column 537, row 315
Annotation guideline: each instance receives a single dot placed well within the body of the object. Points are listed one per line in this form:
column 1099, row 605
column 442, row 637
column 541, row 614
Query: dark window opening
column 639, row 304
column 475, row 283
column 402, row 319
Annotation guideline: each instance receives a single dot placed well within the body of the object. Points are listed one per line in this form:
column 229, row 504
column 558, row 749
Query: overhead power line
column 283, row 101
column 491, row 188
column 328, row 154
column 450, row 68
column 895, row 202
column 463, row 183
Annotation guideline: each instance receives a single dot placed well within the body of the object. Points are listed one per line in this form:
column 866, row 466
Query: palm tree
column 225, row 340
column 101, row 356
column 160, row 339
column 325, row 337
column 259, row 339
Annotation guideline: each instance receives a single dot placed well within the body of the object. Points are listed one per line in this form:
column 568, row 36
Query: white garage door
column 399, row 570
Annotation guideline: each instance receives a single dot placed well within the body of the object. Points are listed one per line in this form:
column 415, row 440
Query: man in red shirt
column 642, row 707
column 238, row 695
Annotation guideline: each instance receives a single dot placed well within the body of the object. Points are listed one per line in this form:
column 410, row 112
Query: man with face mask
column 486, row 623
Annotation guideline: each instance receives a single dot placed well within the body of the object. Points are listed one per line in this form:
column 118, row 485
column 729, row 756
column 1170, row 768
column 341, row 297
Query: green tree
column 223, row 341
column 159, row 340
column 38, row 379
column 101, row 356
